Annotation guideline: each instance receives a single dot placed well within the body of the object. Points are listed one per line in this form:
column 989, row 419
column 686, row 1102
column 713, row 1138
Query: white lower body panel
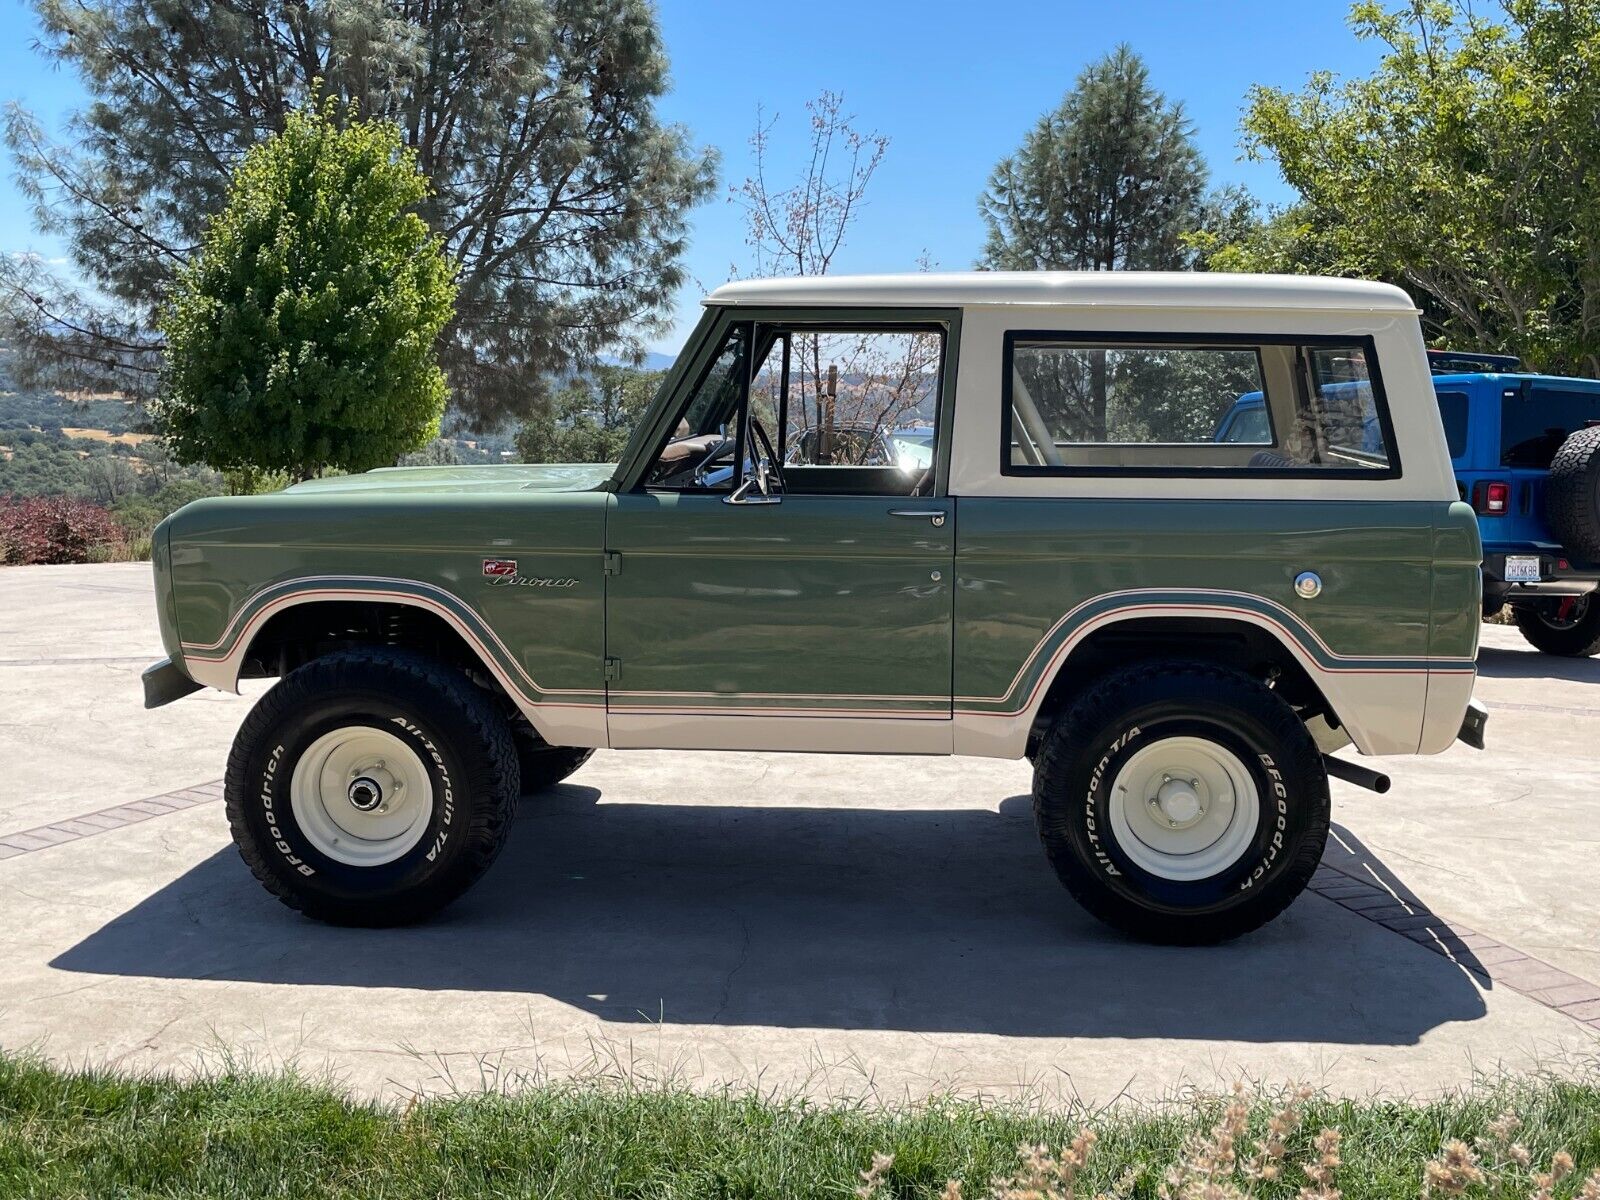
column 835, row 735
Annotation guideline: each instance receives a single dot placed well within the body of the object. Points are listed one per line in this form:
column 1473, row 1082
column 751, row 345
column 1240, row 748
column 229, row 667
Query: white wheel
column 1184, row 808
column 361, row 796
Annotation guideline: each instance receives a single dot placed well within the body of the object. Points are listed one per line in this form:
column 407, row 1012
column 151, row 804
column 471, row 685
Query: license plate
column 1522, row 568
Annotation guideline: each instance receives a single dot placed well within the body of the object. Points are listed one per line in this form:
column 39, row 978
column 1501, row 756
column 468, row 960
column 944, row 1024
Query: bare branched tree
column 840, row 381
column 798, row 229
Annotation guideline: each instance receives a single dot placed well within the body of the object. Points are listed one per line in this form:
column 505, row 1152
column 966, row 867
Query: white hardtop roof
column 1087, row 289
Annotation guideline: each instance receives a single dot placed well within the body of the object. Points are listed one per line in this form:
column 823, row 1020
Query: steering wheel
column 707, row 461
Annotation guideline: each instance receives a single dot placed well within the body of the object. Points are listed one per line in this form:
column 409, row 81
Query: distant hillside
column 53, row 411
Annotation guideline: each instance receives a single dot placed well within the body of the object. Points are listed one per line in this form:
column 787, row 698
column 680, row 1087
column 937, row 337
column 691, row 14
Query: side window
column 1135, row 403
column 699, row 451
column 1339, row 424
column 1453, row 412
column 852, row 410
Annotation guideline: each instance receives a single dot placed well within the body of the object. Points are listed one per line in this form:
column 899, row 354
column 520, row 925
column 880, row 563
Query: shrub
column 179, row 492
column 134, row 549
column 136, row 515
column 304, row 335
column 52, row 529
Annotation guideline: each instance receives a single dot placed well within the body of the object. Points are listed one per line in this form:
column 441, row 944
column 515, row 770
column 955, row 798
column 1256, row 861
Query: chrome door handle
column 936, row 515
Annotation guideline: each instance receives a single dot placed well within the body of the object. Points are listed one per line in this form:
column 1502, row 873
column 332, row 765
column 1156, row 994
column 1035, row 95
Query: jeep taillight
column 1491, row 499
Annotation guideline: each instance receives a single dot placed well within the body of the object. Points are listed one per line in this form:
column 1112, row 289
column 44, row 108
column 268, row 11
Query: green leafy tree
column 1292, row 240
column 302, row 335
column 591, row 419
column 437, row 453
column 1465, row 168
column 556, row 188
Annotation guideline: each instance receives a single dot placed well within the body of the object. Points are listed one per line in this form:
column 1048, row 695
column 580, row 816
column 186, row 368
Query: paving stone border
column 1370, row 898
column 107, row 819
column 103, row 660
column 1490, row 960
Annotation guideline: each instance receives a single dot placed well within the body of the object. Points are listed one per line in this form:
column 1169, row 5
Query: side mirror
column 757, row 487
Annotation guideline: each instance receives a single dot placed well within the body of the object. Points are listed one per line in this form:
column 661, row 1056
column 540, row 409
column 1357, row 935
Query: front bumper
column 164, row 683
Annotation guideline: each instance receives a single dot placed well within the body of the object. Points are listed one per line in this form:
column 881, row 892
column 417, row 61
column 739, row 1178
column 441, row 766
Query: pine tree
column 1109, row 180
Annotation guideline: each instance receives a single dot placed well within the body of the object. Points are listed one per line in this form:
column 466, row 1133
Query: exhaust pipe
column 1360, row 776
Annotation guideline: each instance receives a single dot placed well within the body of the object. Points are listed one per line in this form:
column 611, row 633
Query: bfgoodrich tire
column 1569, row 626
column 1181, row 802
column 371, row 787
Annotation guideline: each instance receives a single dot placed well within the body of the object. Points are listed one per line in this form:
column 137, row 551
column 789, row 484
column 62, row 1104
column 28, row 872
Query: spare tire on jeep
column 1572, row 497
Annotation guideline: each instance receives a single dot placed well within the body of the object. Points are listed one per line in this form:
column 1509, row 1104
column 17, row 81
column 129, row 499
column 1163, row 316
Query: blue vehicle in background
column 1526, row 454
column 1525, row 449
column 1246, row 422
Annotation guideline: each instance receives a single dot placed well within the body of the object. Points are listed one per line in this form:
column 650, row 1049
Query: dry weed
column 1223, row 1164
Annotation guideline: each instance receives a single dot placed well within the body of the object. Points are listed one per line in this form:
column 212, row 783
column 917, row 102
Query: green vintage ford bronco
column 982, row 514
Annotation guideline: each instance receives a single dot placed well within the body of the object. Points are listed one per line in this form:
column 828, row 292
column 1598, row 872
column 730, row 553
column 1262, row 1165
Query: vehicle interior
column 847, row 410
column 1133, row 405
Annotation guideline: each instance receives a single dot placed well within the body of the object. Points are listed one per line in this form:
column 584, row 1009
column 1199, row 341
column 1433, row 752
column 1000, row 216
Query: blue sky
column 953, row 85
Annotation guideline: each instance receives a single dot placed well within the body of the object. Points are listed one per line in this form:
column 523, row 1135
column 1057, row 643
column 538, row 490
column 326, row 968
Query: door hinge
column 613, row 562
column 613, row 670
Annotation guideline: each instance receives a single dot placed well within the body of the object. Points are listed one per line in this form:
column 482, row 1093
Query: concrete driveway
column 845, row 925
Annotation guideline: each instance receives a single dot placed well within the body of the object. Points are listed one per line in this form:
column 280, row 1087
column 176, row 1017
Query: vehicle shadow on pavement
column 1498, row 663
column 936, row 920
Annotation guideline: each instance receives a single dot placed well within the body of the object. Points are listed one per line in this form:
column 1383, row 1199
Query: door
column 781, row 574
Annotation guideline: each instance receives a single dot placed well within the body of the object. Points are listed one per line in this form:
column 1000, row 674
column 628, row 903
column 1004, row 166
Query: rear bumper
column 164, row 683
column 1559, row 575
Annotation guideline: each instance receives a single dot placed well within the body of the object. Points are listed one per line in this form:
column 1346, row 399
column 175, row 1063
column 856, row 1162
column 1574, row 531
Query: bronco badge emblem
column 533, row 581
column 502, row 572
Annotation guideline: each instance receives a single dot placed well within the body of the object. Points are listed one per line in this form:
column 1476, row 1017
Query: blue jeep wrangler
column 1526, row 452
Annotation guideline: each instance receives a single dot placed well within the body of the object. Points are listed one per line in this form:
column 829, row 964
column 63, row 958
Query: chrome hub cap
column 361, row 796
column 1184, row 808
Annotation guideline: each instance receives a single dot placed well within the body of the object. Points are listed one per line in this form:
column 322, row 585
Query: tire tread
column 490, row 824
column 1572, row 494
column 1051, row 771
column 1582, row 640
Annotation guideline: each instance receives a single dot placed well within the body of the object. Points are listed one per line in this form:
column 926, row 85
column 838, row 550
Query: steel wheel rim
column 361, row 796
column 1184, row 808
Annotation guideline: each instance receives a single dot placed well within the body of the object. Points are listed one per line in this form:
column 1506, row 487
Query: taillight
column 1491, row 499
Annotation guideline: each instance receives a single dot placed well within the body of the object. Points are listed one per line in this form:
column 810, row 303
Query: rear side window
column 1129, row 403
column 1453, row 412
column 1535, row 421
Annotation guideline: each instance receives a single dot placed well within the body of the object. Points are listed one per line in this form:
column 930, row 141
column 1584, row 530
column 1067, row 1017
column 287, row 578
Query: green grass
column 100, row 1134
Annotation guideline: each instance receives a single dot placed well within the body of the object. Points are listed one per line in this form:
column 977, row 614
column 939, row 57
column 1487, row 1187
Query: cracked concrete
column 847, row 925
